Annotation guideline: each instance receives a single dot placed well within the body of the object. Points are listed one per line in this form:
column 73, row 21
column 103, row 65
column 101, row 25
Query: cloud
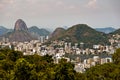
column 92, row 4
column 45, row 12
column 59, row 3
column 5, row 3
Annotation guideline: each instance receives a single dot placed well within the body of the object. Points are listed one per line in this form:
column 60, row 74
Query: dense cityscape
column 59, row 40
column 82, row 58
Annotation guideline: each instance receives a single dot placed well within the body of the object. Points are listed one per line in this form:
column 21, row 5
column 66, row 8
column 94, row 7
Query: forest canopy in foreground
column 16, row 66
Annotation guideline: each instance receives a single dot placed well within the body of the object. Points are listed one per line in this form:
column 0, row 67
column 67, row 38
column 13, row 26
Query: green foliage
column 7, row 65
column 3, row 75
column 14, row 55
column 107, row 71
column 2, row 56
column 23, row 69
column 5, row 51
column 16, row 66
column 80, row 76
column 47, row 58
column 116, row 56
column 57, row 34
column 33, row 58
column 65, row 71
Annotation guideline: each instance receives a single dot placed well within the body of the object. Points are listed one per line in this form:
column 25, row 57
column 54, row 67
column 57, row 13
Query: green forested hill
column 83, row 33
column 57, row 33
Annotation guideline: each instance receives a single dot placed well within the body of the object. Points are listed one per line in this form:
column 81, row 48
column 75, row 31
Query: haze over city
column 59, row 13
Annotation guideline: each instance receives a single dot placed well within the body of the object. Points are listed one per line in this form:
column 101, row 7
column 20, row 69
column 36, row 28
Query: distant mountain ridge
column 105, row 30
column 4, row 30
column 33, row 30
column 40, row 32
column 77, row 33
column 116, row 32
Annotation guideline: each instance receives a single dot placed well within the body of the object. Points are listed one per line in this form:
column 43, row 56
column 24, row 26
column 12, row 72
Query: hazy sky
column 58, row 13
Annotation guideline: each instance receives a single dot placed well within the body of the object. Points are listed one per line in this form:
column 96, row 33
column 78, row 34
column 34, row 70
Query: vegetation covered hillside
column 40, row 32
column 57, row 33
column 83, row 33
column 116, row 32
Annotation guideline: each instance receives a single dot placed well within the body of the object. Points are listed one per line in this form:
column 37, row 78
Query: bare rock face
column 20, row 33
column 20, row 25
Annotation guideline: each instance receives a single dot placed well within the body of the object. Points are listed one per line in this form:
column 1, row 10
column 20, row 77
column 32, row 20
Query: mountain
column 116, row 32
column 105, row 30
column 3, row 30
column 20, row 25
column 65, row 27
column 20, row 32
column 82, row 33
column 57, row 33
column 40, row 32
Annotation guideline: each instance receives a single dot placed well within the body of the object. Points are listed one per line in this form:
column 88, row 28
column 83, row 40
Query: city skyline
column 59, row 13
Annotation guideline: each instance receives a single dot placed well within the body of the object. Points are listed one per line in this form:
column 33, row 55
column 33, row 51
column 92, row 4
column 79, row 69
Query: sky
column 59, row 13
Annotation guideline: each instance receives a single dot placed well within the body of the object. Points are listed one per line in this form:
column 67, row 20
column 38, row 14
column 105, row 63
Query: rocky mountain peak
column 20, row 25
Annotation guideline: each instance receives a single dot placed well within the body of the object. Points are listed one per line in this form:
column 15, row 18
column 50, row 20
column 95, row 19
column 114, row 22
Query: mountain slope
column 116, row 32
column 57, row 33
column 3, row 30
column 105, row 30
column 20, row 33
column 40, row 32
column 83, row 33
column 20, row 36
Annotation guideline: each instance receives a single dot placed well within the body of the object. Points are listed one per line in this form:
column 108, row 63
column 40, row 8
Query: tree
column 80, row 76
column 116, row 56
column 48, row 58
column 5, row 51
column 14, row 55
column 23, row 70
column 7, row 65
column 2, row 56
column 33, row 58
column 107, row 71
column 64, row 71
column 3, row 75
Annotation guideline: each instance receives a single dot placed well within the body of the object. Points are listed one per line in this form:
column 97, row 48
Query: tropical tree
column 116, row 56
column 23, row 70
column 64, row 71
column 14, row 55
